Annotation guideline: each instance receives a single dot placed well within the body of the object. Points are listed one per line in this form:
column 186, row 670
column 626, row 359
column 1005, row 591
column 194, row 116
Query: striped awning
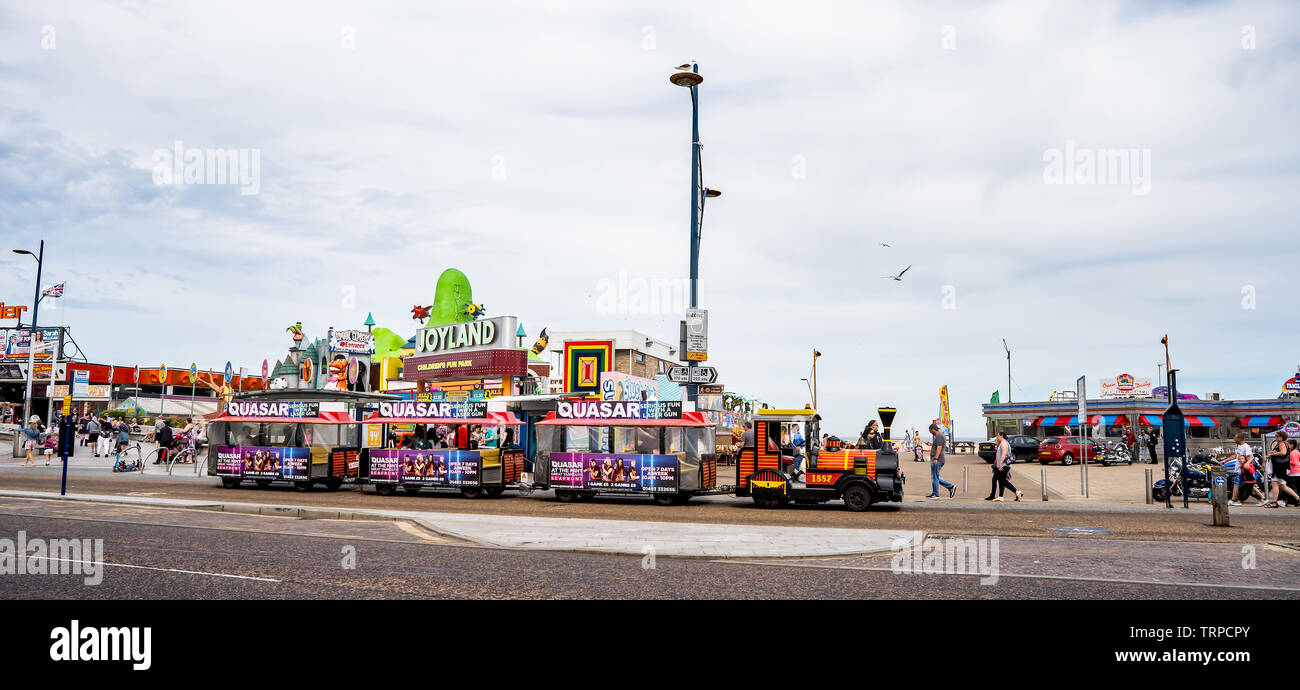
column 1114, row 419
column 1191, row 420
column 1260, row 421
column 1093, row 420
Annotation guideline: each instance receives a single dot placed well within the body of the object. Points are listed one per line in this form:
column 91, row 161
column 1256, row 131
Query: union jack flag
column 54, row 291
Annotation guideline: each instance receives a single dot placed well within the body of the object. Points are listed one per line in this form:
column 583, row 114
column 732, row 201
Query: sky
column 540, row 148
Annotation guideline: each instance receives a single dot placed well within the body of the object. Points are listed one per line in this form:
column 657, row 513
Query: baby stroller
column 128, row 461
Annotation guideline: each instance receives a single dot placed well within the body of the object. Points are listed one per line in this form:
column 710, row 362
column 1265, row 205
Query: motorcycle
column 1198, row 479
column 1115, row 453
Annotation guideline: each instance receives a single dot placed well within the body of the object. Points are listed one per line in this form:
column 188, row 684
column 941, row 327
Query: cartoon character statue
column 475, row 310
column 541, row 343
column 338, row 374
column 420, row 313
column 296, row 329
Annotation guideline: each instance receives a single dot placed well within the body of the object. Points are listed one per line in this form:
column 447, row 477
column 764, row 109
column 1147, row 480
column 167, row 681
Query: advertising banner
column 468, row 365
column 285, row 408
column 944, row 413
column 598, row 409
column 616, row 473
column 263, row 462
column 425, row 467
column 1126, row 386
column 464, row 409
column 352, row 342
column 17, row 342
column 617, row 386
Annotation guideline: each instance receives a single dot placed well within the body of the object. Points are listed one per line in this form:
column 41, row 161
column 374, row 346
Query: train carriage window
column 700, row 441
column 586, row 439
column 279, row 434
column 673, row 442
column 640, row 440
column 320, row 435
column 773, row 436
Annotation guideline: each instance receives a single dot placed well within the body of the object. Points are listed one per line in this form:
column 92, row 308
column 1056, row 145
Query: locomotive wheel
column 769, row 501
column 857, row 497
column 411, row 489
column 471, row 491
column 587, row 495
column 263, row 482
column 230, row 482
column 385, row 489
column 334, row 484
column 302, row 486
column 495, row 491
column 565, row 496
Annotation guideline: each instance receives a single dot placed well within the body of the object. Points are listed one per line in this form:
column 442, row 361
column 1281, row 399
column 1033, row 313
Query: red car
column 1067, row 450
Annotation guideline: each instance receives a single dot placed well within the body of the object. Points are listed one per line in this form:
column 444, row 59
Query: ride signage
column 466, row 409
column 470, row 365
column 294, row 409
column 596, row 409
column 486, row 334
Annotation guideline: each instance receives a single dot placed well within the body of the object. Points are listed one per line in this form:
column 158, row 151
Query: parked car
column 1023, row 448
column 1067, row 450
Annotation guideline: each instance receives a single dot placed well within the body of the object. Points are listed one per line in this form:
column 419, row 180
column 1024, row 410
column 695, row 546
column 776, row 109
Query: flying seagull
column 900, row 274
column 883, row 244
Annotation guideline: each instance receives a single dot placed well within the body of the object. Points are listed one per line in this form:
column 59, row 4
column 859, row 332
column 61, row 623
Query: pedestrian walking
column 1131, row 440
column 1153, row 436
column 31, row 437
column 937, row 442
column 83, row 434
column 92, row 434
column 1002, row 470
column 50, row 444
column 1248, row 474
column 163, row 437
column 123, row 436
column 1293, row 472
column 105, row 437
column 1280, row 466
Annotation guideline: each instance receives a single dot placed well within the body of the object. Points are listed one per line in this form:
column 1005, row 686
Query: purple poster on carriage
column 626, row 473
column 264, row 462
column 426, row 467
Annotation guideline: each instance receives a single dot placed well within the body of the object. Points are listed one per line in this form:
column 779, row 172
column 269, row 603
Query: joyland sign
column 471, row 336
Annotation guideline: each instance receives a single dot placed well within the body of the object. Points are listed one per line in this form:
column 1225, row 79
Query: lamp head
column 686, row 79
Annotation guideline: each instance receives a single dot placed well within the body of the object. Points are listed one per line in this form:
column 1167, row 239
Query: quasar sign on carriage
column 604, row 409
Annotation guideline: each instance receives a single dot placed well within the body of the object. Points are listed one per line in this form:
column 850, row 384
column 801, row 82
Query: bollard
column 1148, row 486
column 1043, row 481
column 1219, row 496
column 965, row 481
column 1087, row 486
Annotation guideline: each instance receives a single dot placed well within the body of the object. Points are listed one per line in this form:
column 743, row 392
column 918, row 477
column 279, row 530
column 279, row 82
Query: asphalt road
column 1249, row 525
column 179, row 554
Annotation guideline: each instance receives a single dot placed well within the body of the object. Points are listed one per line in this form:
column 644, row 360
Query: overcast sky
column 539, row 147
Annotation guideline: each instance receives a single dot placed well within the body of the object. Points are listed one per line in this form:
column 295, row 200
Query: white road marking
column 165, row 570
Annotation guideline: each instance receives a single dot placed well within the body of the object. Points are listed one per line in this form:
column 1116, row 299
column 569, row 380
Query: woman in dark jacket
column 871, row 439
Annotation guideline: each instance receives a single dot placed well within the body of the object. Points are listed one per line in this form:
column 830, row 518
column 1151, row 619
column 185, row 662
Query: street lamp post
column 1004, row 347
column 688, row 76
column 31, row 338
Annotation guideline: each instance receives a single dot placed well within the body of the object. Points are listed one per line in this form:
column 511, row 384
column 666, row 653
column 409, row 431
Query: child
column 51, row 442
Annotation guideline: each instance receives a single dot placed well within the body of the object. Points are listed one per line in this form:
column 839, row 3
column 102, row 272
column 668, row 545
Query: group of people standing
column 100, row 433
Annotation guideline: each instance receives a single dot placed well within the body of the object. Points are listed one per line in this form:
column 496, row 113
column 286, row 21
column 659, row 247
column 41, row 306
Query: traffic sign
column 697, row 335
column 679, row 374
column 230, row 372
column 194, row 372
column 704, row 375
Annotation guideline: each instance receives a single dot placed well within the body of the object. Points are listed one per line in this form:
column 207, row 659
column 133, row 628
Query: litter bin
column 1219, row 494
